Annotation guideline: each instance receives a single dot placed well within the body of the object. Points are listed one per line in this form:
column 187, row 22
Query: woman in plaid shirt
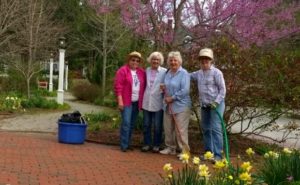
column 212, row 90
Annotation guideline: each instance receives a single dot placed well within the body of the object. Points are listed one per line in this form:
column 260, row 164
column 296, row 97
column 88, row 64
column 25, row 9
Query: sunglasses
column 135, row 60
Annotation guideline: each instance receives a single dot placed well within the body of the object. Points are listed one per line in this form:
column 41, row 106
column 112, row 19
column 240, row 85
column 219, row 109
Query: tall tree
column 36, row 35
column 9, row 17
column 105, row 34
column 249, row 22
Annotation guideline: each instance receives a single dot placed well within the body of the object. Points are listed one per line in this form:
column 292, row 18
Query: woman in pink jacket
column 129, row 88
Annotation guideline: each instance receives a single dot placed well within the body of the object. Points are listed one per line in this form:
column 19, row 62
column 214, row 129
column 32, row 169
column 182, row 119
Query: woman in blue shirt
column 177, row 104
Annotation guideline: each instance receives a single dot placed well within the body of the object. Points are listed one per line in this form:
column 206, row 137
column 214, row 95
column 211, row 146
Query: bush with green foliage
column 110, row 121
column 43, row 103
column 98, row 121
column 44, row 92
column 86, row 91
column 10, row 103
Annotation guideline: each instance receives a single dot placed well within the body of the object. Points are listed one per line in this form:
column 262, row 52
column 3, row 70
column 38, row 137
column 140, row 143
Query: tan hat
column 135, row 54
column 206, row 52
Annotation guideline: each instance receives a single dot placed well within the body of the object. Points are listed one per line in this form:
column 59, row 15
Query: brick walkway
column 38, row 159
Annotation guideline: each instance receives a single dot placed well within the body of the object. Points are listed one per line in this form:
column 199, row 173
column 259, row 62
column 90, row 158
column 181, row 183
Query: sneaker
column 155, row 149
column 168, row 151
column 130, row 148
column 146, row 148
column 179, row 155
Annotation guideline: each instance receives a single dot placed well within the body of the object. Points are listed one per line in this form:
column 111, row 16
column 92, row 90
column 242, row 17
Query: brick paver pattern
column 39, row 159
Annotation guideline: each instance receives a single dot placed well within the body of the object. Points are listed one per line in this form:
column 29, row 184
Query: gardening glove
column 214, row 105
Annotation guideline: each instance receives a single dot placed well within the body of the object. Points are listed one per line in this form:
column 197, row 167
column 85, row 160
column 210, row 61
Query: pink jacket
column 123, row 84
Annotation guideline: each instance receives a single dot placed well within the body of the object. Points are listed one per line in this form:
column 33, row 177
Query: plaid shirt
column 211, row 85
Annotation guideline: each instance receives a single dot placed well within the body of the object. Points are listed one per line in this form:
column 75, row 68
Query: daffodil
column 246, row 166
column 208, row 155
column 220, row 164
column 245, row 176
column 184, row 157
column 250, row 152
column 273, row 154
column 196, row 160
column 266, row 155
column 167, row 167
column 204, row 174
column 237, row 182
column 287, row 151
column 203, row 171
column 203, row 167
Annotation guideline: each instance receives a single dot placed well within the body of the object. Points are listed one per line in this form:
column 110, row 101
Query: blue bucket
column 71, row 133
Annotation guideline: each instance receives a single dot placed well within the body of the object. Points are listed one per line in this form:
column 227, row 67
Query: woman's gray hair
column 175, row 54
column 158, row 55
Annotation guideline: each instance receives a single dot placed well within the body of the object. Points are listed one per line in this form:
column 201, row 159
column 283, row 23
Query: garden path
column 38, row 159
column 45, row 121
column 31, row 154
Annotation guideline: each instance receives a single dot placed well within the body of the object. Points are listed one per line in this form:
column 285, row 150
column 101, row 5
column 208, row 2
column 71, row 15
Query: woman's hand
column 168, row 99
column 120, row 103
column 162, row 87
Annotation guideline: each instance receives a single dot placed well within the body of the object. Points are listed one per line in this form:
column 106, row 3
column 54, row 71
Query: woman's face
column 174, row 64
column 134, row 63
column 205, row 63
column 155, row 62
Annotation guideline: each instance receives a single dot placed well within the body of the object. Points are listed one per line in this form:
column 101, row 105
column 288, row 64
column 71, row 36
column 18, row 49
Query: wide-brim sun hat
column 206, row 52
column 135, row 54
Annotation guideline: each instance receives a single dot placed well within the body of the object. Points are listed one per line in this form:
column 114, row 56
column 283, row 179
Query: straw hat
column 135, row 54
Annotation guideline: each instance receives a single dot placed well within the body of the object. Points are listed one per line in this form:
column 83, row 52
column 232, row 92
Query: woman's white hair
column 175, row 54
column 158, row 55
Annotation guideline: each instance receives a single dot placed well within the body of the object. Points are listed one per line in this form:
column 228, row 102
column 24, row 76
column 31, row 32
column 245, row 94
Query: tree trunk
column 104, row 43
column 28, row 87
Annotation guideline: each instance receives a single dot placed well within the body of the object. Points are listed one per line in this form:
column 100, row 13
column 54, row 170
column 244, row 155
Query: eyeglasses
column 135, row 60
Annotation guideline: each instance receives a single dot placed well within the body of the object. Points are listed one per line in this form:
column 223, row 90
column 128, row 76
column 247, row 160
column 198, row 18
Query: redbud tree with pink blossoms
column 232, row 28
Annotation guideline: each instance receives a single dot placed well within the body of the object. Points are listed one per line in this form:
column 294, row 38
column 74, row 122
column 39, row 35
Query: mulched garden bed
column 238, row 144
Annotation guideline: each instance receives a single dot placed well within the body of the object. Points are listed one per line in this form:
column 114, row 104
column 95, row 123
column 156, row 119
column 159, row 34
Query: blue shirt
column 178, row 86
column 211, row 85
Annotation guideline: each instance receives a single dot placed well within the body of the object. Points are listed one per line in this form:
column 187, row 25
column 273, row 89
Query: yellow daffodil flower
column 273, row 154
column 208, row 155
column 266, row 155
column 167, row 167
column 250, row 152
column 220, row 164
column 204, row 174
column 203, row 167
column 287, row 151
column 184, row 157
column 246, row 166
column 245, row 176
column 196, row 160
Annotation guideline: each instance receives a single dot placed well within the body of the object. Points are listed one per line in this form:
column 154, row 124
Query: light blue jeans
column 129, row 115
column 212, row 130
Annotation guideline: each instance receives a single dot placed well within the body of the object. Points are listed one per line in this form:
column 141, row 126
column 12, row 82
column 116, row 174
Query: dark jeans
column 129, row 115
column 154, row 119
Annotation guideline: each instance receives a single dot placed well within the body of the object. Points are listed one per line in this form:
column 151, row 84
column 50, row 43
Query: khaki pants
column 171, row 133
